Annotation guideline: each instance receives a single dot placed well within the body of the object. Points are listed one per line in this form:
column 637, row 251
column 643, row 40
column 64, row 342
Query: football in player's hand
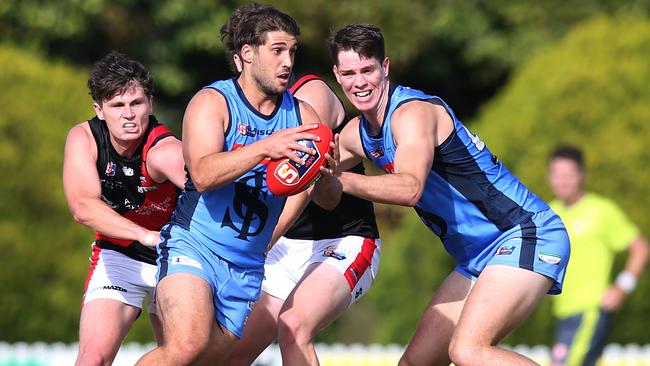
column 285, row 177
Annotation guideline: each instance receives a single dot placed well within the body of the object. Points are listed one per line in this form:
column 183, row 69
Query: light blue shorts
column 234, row 289
column 540, row 244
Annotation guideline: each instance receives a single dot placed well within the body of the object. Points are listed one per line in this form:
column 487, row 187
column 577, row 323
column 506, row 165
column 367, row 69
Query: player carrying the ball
column 326, row 261
column 211, row 258
column 510, row 247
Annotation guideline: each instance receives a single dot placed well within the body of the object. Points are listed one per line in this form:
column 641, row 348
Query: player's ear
column 98, row 110
column 246, row 54
column 237, row 60
column 385, row 65
column 336, row 74
column 151, row 104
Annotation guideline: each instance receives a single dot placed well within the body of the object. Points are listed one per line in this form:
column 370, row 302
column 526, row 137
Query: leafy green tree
column 463, row 50
column 590, row 89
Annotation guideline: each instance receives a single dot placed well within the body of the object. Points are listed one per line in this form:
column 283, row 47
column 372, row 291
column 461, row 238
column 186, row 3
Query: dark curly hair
column 249, row 24
column 114, row 74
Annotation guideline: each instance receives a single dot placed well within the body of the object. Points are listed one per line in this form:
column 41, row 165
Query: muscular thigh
column 185, row 306
column 230, row 290
column 431, row 339
column 501, row 298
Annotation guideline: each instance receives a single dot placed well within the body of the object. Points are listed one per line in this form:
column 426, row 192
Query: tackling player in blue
column 510, row 247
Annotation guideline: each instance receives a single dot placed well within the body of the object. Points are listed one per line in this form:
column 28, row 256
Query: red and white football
column 285, row 177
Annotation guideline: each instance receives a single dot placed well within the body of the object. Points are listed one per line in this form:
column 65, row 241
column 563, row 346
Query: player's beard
column 265, row 83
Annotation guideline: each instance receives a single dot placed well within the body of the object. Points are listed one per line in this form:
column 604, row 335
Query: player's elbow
column 202, row 183
column 199, row 184
column 412, row 194
column 412, row 199
column 80, row 212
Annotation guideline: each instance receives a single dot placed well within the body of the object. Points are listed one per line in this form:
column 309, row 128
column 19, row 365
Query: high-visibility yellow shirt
column 598, row 229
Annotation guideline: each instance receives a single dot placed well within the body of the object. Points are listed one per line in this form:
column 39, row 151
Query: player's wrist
column 151, row 239
column 626, row 281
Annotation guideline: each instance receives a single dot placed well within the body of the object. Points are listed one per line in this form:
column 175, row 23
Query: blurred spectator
column 598, row 230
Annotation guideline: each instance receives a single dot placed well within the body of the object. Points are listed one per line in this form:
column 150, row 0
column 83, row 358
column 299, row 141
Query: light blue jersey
column 236, row 221
column 471, row 201
column 221, row 235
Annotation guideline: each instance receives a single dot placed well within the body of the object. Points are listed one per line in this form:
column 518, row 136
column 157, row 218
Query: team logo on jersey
column 505, row 250
column 377, row 153
column 549, row 258
column 331, row 252
column 128, row 171
column 110, row 169
column 251, row 131
column 248, row 213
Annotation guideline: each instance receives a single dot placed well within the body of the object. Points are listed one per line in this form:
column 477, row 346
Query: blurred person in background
column 598, row 229
column 327, row 259
column 122, row 173
column 510, row 248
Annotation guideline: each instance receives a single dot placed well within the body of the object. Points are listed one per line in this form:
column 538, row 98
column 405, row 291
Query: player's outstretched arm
column 414, row 134
column 83, row 191
column 204, row 124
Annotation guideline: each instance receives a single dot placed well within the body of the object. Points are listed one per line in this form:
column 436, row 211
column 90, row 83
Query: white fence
column 59, row 354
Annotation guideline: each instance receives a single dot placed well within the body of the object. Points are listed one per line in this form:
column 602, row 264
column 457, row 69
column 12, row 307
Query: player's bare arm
column 204, row 125
column 165, row 162
column 292, row 209
column 347, row 147
column 414, row 130
column 83, row 190
column 317, row 94
column 326, row 192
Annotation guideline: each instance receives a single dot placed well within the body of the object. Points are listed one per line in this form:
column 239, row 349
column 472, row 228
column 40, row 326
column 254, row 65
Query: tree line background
column 524, row 75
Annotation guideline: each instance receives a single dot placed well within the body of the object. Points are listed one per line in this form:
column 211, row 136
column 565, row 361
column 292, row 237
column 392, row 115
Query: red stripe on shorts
column 361, row 263
column 94, row 258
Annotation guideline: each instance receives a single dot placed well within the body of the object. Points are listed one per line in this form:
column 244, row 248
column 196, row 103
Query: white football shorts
column 356, row 257
column 116, row 276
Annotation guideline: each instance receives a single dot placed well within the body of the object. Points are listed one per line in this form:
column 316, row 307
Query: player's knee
column 183, row 352
column 292, row 329
column 464, row 353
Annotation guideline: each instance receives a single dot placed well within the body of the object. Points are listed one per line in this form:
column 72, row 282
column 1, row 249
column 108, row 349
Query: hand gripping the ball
column 293, row 172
